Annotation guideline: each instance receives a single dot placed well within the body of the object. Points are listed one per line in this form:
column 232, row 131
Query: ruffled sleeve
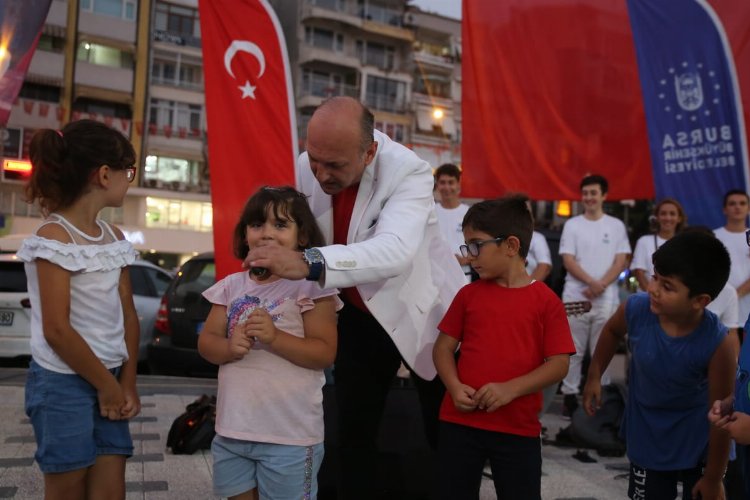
column 217, row 293
column 78, row 258
column 310, row 292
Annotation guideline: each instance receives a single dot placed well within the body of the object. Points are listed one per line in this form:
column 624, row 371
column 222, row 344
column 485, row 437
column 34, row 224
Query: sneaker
column 570, row 405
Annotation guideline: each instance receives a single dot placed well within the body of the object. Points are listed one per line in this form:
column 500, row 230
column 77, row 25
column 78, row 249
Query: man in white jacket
column 372, row 198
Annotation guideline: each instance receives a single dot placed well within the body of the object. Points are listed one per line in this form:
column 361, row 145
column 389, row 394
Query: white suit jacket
column 395, row 254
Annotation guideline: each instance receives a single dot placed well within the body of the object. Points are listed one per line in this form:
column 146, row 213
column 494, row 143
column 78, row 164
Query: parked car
column 149, row 284
column 183, row 311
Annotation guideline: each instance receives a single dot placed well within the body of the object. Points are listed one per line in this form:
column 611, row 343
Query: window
column 177, row 69
column 163, row 171
column 103, row 108
column 393, row 130
column 39, row 92
column 124, row 9
column 177, row 20
column 51, row 43
column 376, row 54
column 104, row 55
column 373, row 11
column 385, row 94
column 178, row 115
column 433, row 85
column 324, row 39
column 178, row 214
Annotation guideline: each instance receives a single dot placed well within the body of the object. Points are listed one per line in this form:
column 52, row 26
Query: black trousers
column 366, row 364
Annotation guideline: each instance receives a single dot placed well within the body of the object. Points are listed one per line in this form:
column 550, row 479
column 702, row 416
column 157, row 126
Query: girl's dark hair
column 63, row 161
column 284, row 201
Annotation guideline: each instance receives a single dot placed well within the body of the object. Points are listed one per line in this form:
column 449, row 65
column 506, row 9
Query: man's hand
column 280, row 261
column 592, row 396
column 260, row 325
column 492, row 396
column 707, row 489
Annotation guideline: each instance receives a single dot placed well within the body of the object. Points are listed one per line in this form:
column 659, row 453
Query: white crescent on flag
column 243, row 46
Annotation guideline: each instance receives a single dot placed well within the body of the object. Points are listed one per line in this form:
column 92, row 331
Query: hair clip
column 59, row 132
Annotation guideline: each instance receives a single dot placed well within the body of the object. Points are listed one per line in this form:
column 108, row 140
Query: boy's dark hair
column 595, row 179
column 283, row 202
column 697, row 259
column 506, row 216
column 63, row 161
column 448, row 169
column 733, row 192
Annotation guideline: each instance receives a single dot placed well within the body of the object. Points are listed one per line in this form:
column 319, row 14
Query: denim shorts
column 70, row 433
column 278, row 471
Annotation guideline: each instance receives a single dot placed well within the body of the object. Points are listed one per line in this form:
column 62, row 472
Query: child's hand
column 111, row 400
column 132, row 406
column 592, row 396
column 705, row 489
column 462, row 398
column 494, row 395
column 240, row 342
column 736, row 423
column 260, row 325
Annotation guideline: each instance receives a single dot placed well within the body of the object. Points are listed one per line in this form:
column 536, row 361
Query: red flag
column 550, row 93
column 182, row 132
column 125, row 124
column 60, row 113
column 152, row 128
column 167, row 131
column 21, row 26
column 108, row 120
column 253, row 139
column 28, row 106
column 43, row 109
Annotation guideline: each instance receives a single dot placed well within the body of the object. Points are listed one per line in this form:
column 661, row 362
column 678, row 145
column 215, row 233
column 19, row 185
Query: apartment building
column 136, row 65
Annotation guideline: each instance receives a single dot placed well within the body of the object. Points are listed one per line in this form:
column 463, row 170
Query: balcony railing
column 177, row 38
column 173, row 82
column 323, row 87
column 386, row 103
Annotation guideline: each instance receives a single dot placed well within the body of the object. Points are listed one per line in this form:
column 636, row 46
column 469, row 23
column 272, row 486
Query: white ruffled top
column 95, row 264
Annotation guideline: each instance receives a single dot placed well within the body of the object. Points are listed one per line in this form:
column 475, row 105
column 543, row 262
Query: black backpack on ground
column 194, row 429
column 600, row 431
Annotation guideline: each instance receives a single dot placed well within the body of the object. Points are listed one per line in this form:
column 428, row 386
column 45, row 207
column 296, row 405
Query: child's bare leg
column 106, row 478
column 248, row 495
column 65, row 485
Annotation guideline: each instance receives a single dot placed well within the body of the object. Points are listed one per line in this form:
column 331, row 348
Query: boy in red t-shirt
column 515, row 340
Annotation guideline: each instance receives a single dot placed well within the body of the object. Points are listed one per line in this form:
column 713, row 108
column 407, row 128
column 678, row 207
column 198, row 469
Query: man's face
column 592, row 198
column 448, row 187
column 736, row 207
column 338, row 164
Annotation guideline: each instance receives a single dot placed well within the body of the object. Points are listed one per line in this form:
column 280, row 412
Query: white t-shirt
column 739, row 253
column 644, row 250
column 538, row 252
column 594, row 245
column 725, row 307
column 450, row 220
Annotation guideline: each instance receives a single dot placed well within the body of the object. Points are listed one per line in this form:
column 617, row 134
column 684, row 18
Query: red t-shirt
column 343, row 206
column 504, row 333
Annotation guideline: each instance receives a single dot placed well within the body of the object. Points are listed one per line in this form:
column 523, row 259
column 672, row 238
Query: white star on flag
column 247, row 90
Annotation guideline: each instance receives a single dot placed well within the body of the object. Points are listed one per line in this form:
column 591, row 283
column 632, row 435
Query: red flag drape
column 551, row 93
column 252, row 129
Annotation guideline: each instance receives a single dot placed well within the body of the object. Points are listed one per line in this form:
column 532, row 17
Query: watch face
column 313, row 256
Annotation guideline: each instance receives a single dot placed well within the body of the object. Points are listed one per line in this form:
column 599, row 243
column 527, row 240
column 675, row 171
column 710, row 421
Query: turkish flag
column 252, row 138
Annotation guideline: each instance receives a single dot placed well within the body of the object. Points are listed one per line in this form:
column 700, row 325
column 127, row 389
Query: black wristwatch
column 316, row 261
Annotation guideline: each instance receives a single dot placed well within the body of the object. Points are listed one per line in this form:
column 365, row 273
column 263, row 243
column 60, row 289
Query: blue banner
column 693, row 109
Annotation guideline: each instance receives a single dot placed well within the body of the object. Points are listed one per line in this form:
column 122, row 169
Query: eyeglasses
column 130, row 173
column 474, row 247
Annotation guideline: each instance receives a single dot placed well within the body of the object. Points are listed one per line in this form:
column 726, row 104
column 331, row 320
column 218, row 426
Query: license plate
column 6, row 318
column 199, row 327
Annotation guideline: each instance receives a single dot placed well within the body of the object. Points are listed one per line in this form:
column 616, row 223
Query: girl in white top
column 272, row 338
column 670, row 219
column 81, row 388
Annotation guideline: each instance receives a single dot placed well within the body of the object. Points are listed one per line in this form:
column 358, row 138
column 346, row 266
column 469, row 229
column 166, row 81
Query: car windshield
column 12, row 277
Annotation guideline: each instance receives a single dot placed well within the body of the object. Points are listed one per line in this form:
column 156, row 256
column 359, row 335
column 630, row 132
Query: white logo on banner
column 252, row 49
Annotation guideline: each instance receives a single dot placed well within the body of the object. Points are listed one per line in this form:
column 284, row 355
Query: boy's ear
column 701, row 300
column 514, row 244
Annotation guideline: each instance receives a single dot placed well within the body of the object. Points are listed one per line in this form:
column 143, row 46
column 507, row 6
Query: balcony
column 343, row 12
column 177, row 38
column 440, row 61
column 314, row 89
column 308, row 53
column 386, row 103
column 176, row 83
column 93, row 75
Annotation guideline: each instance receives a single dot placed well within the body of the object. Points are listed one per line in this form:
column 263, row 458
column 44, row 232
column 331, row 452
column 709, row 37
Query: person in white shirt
column 670, row 219
column 450, row 211
column 732, row 234
column 594, row 248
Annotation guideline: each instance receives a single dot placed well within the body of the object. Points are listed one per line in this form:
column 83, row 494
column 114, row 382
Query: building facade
column 136, row 65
